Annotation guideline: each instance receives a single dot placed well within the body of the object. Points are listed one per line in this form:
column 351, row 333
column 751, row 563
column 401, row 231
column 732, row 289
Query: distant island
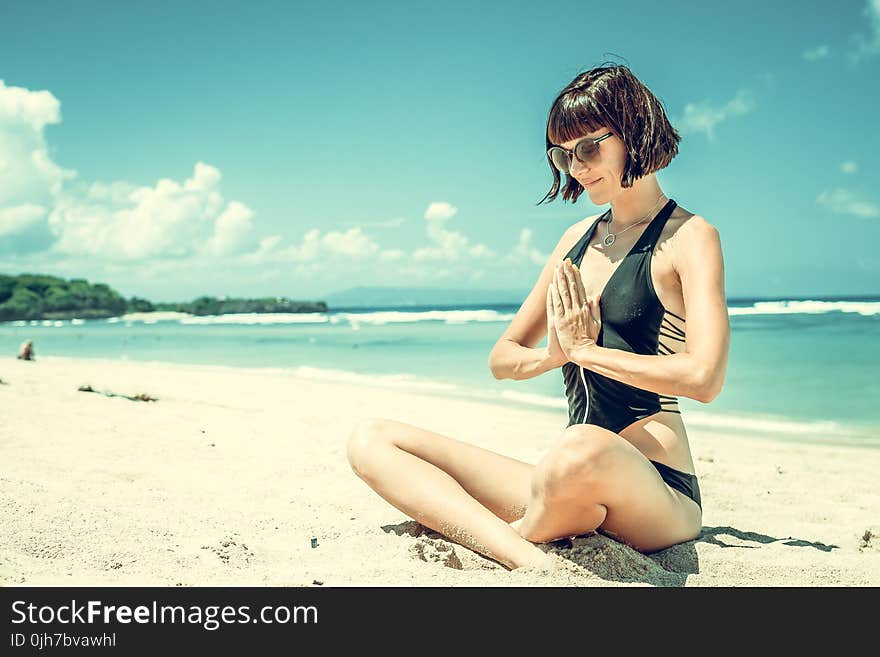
column 38, row 296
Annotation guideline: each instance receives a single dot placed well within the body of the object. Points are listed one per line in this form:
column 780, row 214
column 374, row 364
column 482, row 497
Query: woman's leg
column 465, row 492
column 593, row 478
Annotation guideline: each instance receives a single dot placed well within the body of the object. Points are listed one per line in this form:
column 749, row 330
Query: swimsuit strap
column 576, row 253
column 648, row 240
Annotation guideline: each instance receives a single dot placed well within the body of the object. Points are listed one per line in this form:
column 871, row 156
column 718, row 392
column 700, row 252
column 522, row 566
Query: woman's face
column 604, row 170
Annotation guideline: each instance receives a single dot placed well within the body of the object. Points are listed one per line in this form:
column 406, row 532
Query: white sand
column 227, row 477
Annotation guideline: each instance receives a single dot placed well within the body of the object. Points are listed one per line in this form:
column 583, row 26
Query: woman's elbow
column 492, row 361
column 499, row 360
column 708, row 388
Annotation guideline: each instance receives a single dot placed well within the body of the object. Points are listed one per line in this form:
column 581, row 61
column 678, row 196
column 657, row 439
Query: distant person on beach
column 613, row 300
column 26, row 350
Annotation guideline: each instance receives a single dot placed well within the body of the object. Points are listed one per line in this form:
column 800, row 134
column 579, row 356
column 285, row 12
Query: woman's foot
column 533, row 556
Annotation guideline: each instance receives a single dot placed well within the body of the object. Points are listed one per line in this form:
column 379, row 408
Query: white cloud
column 447, row 240
column 16, row 219
column 352, row 245
column 391, row 255
column 311, row 254
column 814, row 54
column 447, row 245
column 524, row 249
column 45, row 210
column 843, row 201
column 232, row 230
column 29, row 175
column 440, row 210
column 310, row 246
column 70, row 226
column 120, row 221
column 267, row 252
column 480, row 251
column 849, row 166
column 36, row 109
column 265, row 249
column 867, row 45
column 704, row 116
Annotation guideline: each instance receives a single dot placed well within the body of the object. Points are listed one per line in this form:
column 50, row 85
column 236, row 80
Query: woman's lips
column 590, row 184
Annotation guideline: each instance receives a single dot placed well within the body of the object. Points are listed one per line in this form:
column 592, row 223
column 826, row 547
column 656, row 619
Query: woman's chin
column 596, row 197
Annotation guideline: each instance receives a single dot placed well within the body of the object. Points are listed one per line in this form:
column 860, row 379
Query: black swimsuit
column 633, row 319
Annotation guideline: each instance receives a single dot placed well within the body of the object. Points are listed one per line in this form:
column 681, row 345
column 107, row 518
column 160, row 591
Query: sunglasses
column 585, row 150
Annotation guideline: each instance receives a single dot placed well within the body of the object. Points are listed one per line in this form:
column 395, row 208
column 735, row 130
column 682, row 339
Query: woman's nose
column 576, row 167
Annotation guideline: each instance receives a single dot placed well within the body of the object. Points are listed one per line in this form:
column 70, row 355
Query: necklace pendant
column 609, row 239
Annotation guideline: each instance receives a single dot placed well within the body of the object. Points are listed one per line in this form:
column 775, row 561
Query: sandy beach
column 230, row 474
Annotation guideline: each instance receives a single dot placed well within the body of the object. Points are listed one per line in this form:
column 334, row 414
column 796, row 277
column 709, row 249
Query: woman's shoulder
column 689, row 232
column 578, row 228
column 695, row 226
column 576, row 231
column 684, row 225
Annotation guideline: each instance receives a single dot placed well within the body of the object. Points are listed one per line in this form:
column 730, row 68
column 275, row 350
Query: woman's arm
column 699, row 371
column 516, row 355
column 519, row 362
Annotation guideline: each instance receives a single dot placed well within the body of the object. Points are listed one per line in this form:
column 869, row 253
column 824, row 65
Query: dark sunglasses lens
column 586, row 150
column 560, row 159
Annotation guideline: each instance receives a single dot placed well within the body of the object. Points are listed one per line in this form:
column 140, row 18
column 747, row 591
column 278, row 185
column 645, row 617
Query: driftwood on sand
column 141, row 396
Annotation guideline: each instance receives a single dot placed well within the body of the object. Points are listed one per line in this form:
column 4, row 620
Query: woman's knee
column 363, row 440
column 581, row 458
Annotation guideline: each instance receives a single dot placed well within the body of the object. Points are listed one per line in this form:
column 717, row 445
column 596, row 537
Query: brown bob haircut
column 611, row 96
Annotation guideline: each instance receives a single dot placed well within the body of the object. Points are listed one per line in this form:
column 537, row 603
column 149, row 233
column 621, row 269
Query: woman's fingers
column 575, row 285
column 570, row 293
column 562, row 290
column 582, row 292
column 568, row 286
column 555, row 300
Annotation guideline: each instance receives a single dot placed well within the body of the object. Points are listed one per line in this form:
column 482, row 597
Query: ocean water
column 799, row 370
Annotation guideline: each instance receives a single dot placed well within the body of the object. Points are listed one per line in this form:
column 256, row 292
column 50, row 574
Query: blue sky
column 254, row 149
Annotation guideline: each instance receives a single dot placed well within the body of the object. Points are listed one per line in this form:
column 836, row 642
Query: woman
column 612, row 301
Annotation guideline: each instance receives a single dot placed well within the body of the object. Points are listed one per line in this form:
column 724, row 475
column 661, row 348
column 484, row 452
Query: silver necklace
column 610, row 237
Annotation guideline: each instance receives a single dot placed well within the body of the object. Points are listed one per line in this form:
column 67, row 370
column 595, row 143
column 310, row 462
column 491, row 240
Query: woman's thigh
column 500, row 483
column 642, row 510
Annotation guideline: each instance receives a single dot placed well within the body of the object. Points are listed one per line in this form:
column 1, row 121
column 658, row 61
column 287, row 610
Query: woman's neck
column 643, row 200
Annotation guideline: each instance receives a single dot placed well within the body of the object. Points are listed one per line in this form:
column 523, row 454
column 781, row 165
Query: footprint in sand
column 433, row 550
column 231, row 552
column 433, row 547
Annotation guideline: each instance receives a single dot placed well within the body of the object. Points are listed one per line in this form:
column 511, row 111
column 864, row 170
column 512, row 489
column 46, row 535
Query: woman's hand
column 575, row 316
column 555, row 355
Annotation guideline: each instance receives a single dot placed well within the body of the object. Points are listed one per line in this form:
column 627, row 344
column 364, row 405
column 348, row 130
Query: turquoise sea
column 799, row 369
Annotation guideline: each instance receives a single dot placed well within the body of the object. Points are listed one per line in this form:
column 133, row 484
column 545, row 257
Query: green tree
column 24, row 304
